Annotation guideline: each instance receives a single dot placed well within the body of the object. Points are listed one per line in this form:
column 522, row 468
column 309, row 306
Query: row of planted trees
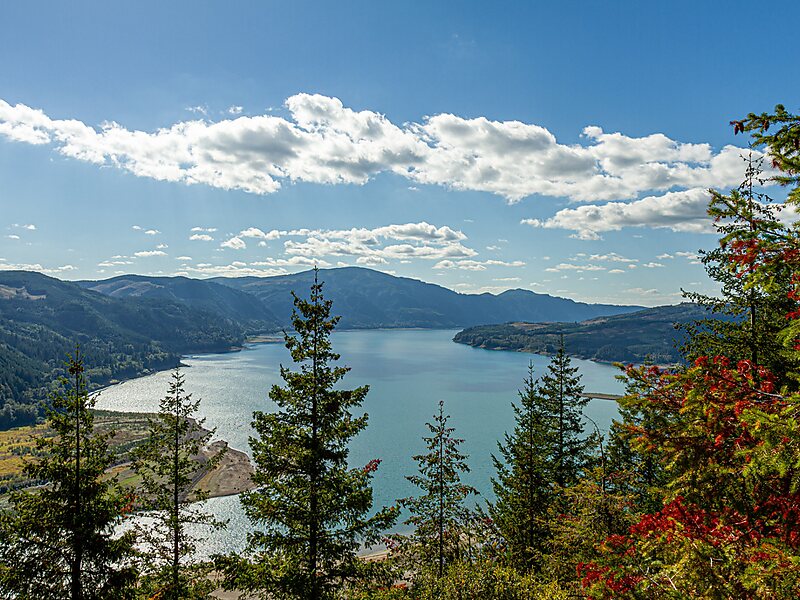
column 694, row 494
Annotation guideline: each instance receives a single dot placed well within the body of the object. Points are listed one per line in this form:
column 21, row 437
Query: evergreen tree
column 523, row 485
column 58, row 541
column 634, row 471
column 439, row 516
column 167, row 463
column 311, row 510
column 562, row 395
column 753, row 309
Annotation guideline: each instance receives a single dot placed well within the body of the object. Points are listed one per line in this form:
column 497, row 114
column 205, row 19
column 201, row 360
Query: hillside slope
column 42, row 318
column 371, row 299
column 209, row 296
column 646, row 334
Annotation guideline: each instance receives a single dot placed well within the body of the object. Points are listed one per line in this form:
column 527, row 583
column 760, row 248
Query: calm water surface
column 408, row 372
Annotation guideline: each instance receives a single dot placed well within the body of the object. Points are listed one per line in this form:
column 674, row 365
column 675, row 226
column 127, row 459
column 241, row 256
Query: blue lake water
column 408, row 372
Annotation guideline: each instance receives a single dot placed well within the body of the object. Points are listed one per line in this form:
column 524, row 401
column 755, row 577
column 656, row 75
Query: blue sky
column 558, row 147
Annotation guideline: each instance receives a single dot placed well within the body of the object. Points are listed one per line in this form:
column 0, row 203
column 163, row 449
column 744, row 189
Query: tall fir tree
column 58, row 541
column 310, row 509
column 523, row 485
column 562, row 395
column 753, row 309
column 167, row 463
column 440, row 516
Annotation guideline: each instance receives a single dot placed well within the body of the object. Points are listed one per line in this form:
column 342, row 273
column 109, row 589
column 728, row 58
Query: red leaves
column 372, row 465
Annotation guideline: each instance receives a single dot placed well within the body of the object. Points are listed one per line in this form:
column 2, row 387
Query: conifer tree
column 523, row 484
column 562, row 393
column 167, row 463
column 634, row 471
column 311, row 510
column 58, row 541
column 753, row 309
column 439, row 516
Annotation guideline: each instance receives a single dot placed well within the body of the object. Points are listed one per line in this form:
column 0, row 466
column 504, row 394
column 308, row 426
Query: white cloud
column 114, row 263
column 322, row 141
column 235, row 110
column 152, row 232
column 573, row 267
column 13, row 236
column 235, row 243
column 162, row 247
column 204, row 229
column 29, row 227
column 678, row 211
column 234, row 269
column 183, row 258
column 201, row 237
column 136, row 228
column 149, row 253
column 474, row 265
column 7, row 266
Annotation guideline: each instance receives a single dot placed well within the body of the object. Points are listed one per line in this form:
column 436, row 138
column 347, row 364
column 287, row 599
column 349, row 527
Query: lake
column 408, row 372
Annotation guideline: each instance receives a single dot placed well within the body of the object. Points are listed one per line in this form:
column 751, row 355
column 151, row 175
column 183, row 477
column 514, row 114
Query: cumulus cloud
column 370, row 247
column 149, row 253
column 201, row 237
column 29, row 226
column 322, row 141
column 679, row 211
column 235, row 243
column 152, row 232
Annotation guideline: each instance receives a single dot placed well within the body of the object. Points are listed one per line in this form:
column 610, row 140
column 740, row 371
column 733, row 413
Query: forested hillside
column 651, row 334
column 368, row 299
column 41, row 320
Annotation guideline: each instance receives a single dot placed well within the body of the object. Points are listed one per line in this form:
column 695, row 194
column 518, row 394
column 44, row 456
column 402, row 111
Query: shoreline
column 599, row 361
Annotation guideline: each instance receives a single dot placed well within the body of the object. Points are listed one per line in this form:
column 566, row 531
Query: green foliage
column 310, row 510
column 482, row 580
column 442, row 522
column 523, row 485
column 57, row 541
column 166, row 463
column 562, row 395
column 632, row 470
column 783, row 143
column 756, row 310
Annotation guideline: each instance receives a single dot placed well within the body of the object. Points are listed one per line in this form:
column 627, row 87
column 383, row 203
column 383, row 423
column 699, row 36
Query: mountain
column 211, row 297
column 42, row 318
column 130, row 325
column 370, row 299
column 646, row 334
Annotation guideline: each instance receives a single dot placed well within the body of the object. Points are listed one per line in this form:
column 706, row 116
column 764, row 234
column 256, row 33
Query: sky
column 561, row 147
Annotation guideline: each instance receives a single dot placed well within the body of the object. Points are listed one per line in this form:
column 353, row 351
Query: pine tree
column 523, row 485
column 311, row 510
column 439, row 516
column 58, row 541
column 562, row 393
column 167, row 463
